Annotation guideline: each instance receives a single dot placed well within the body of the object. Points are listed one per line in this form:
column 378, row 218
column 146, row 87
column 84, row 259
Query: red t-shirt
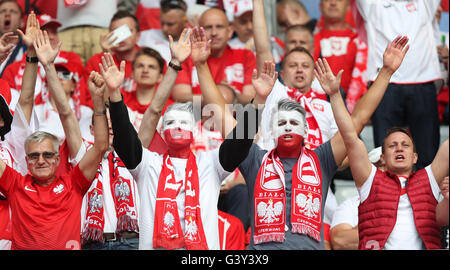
column 231, row 232
column 45, row 217
column 235, row 66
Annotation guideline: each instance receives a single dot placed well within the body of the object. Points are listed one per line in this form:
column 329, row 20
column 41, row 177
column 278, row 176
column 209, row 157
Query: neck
column 44, row 183
column 180, row 153
column 145, row 95
column 126, row 55
column 335, row 24
column 218, row 53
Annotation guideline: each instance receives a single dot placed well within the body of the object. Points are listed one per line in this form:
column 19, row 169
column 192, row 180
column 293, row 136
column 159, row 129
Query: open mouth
column 7, row 23
column 399, row 157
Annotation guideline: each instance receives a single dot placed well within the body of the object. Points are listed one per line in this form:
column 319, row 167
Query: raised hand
column 395, row 52
column 31, row 31
column 182, row 49
column 329, row 82
column 112, row 75
column 7, row 43
column 106, row 42
column 264, row 83
column 44, row 50
column 96, row 84
column 200, row 46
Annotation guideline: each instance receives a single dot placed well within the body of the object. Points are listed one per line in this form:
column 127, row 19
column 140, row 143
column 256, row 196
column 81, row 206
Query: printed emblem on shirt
column 58, row 189
column 334, row 46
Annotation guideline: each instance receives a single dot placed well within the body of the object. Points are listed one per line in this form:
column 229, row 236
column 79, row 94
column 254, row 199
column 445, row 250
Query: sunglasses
column 65, row 75
column 34, row 156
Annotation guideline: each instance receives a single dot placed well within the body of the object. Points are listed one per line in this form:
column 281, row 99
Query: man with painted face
column 179, row 191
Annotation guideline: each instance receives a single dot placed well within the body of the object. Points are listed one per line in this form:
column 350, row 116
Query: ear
column 230, row 30
column 415, row 158
column 160, row 77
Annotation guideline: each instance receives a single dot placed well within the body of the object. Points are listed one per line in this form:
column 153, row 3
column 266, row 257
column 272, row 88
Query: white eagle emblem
column 122, row 190
column 95, row 202
column 310, row 207
column 269, row 211
column 191, row 229
column 169, row 220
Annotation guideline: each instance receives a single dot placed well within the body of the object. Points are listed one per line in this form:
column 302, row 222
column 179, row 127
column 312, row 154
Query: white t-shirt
column 94, row 13
column 385, row 20
column 155, row 39
column 210, row 173
column 346, row 212
column 404, row 235
column 49, row 120
column 109, row 209
column 322, row 112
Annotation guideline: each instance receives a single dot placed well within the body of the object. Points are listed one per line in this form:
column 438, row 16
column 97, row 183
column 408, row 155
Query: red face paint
column 179, row 142
column 289, row 145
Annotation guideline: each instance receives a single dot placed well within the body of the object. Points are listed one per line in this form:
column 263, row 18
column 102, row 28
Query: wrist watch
column 176, row 67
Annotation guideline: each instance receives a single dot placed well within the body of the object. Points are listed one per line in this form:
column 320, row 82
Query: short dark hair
column 297, row 49
column 152, row 53
column 168, row 5
column 124, row 14
column 394, row 130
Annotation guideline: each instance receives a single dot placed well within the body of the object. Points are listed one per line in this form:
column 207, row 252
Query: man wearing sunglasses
column 45, row 206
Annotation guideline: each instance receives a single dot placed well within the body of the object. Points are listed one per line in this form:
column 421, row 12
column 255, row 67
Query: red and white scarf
column 124, row 203
column 314, row 138
column 270, row 198
column 167, row 227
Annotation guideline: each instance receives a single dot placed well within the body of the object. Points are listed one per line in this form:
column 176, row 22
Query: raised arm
column 179, row 52
column 26, row 98
column 47, row 56
column 91, row 160
column 6, row 45
column 261, row 36
column 439, row 166
column 392, row 58
column 201, row 50
column 131, row 151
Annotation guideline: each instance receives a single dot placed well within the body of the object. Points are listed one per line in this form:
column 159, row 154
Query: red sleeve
column 10, row 72
column 8, row 180
column 249, row 66
column 79, row 180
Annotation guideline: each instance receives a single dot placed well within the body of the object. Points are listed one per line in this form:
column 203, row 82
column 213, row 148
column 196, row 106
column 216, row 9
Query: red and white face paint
column 289, row 130
column 178, row 129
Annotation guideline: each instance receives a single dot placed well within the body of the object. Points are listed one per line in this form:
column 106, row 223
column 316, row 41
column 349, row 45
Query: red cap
column 72, row 62
column 45, row 19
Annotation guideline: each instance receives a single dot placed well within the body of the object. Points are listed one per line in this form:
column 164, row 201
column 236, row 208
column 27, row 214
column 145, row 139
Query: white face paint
column 178, row 119
column 288, row 122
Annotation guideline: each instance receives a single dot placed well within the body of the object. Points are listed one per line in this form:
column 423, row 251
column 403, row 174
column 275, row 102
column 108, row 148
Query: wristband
column 177, row 68
column 32, row 59
column 100, row 112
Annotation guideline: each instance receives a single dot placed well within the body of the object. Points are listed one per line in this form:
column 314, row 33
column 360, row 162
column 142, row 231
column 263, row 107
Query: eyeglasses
column 34, row 156
column 65, row 75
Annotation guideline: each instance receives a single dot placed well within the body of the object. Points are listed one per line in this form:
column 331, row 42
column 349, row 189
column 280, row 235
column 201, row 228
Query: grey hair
column 287, row 104
column 178, row 106
column 39, row 136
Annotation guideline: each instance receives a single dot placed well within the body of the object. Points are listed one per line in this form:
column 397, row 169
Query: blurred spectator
column 13, row 74
column 147, row 74
column 240, row 14
column 231, row 68
column 231, row 232
column 410, row 99
column 291, row 12
column 173, row 20
column 338, row 42
column 83, row 23
column 11, row 19
column 124, row 51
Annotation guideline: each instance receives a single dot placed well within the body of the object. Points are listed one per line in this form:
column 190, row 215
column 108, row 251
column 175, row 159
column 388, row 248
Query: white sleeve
column 20, row 130
column 84, row 147
column 364, row 190
column 221, row 172
column 432, row 6
column 346, row 213
column 149, row 159
column 433, row 183
column 364, row 7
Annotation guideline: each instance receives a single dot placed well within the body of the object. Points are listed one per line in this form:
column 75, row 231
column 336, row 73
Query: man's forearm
column 126, row 141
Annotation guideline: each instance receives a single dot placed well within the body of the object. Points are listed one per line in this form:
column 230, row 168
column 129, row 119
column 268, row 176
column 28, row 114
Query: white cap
column 236, row 8
column 374, row 155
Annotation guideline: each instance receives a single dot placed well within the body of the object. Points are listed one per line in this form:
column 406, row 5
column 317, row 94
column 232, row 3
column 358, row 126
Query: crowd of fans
column 185, row 125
